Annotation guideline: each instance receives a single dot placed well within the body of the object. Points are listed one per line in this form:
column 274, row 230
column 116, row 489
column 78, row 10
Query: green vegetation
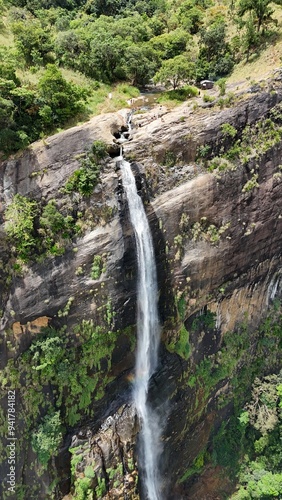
column 251, row 184
column 208, row 98
column 83, row 485
column 85, row 179
column 215, row 54
column 59, row 378
column 82, row 488
column 61, row 59
column 54, row 229
column 215, row 368
column 260, row 11
column 240, row 148
column 19, row 225
column 33, row 234
column 181, row 346
column 47, row 438
column 209, row 232
column 196, row 467
column 203, row 151
column 28, row 112
column 178, row 95
column 169, row 159
column 255, row 141
column 228, row 130
column 35, row 230
column 50, row 365
column 100, row 490
column 99, row 150
column 174, row 72
column 248, row 443
column 97, row 267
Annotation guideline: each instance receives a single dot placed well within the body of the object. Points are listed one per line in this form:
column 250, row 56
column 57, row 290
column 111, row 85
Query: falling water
column 148, row 334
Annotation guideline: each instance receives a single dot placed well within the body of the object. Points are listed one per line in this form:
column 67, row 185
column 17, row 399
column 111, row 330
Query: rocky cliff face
column 211, row 181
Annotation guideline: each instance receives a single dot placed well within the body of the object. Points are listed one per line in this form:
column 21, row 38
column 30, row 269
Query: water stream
column 148, row 337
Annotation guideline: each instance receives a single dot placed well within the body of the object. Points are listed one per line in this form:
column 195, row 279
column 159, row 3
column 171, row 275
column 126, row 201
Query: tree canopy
column 112, row 41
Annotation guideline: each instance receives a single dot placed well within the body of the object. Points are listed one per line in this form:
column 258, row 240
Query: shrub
column 203, row 150
column 169, row 159
column 53, row 222
column 208, row 98
column 179, row 94
column 84, row 179
column 251, row 184
column 228, row 130
column 97, row 267
column 99, row 150
column 222, row 86
column 182, row 346
column 82, row 486
column 19, row 225
column 47, row 438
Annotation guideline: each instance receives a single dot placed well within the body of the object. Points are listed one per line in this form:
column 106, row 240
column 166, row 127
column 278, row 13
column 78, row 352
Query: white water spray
column 148, row 336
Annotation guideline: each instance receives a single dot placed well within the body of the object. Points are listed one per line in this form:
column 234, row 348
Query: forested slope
column 60, row 59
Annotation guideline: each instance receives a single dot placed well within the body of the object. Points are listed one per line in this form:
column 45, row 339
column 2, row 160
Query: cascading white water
column 148, row 336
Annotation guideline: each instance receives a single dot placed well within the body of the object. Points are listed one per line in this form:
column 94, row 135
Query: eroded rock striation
column 216, row 216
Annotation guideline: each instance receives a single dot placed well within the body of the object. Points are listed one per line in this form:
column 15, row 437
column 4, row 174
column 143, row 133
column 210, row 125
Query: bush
column 61, row 100
column 222, row 86
column 52, row 221
column 228, row 130
column 169, row 159
column 99, row 150
column 97, row 267
column 19, row 225
column 46, row 440
column 83, row 180
column 208, row 98
column 179, row 94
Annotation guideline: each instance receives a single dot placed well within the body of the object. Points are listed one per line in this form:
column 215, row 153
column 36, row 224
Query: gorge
column 210, row 180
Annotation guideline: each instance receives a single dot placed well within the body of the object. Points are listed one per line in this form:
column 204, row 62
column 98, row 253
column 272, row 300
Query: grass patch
column 179, row 95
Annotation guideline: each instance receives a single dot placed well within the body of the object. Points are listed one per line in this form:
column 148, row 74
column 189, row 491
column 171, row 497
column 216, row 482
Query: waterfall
column 148, row 336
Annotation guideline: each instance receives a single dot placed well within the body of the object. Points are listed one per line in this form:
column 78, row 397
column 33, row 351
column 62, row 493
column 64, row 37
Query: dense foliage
column 110, row 41
column 250, row 444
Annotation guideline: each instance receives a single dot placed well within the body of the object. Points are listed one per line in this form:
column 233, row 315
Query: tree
column 139, row 64
column 8, row 66
column 7, row 109
column 118, row 7
column 251, row 37
column 172, row 44
column 68, row 47
column 105, row 7
column 260, row 8
column 175, row 71
column 60, row 100
column 190, row 16
column 32, row 40
column 215, row 58
column 260, row 473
